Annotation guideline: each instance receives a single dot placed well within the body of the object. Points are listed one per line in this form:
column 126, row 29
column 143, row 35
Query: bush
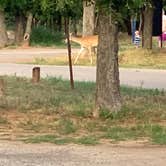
column 45, row 37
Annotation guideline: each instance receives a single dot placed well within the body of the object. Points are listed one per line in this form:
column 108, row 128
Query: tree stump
column 36, row 74
column 2, row 87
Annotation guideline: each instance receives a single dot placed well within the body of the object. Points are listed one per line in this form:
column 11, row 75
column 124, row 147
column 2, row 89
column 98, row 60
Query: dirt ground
column 28, row 55
column 19, row 154
column 16, row 153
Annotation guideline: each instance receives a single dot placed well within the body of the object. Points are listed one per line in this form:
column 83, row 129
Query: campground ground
column 129, row 153
column 19, row 154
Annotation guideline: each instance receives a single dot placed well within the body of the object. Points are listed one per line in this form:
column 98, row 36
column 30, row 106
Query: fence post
column 36, row 74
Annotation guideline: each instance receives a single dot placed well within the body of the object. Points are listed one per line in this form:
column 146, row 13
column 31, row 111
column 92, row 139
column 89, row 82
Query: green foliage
column 45, row 37
column 65, row 7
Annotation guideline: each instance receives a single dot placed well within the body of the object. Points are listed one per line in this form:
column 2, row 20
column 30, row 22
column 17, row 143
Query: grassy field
column 51, row 112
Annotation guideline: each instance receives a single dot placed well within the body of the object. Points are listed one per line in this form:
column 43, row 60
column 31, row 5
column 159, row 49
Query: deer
column 87, row 42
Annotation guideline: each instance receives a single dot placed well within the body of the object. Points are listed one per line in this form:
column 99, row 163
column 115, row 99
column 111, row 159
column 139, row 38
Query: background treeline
column 44, row 19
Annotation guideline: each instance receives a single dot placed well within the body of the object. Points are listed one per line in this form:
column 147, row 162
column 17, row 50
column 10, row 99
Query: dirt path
column 28, row 55
column 19, row 154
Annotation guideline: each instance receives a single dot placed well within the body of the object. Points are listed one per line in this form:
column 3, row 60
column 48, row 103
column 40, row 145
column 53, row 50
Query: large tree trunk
column 19, row 30
column 88, row 23
column 88, row 18
column 147, row 28
column 28, row 30
column 107, row 79
column 3, row 33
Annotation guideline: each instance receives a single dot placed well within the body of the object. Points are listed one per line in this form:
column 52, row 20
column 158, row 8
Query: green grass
column 154, row 133
column 52, row 107
column 61, row 141
column 158, row 135
column 66, row 126
column 48, row 139
column 87, row 140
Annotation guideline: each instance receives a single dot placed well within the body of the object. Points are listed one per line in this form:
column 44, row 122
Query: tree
column 147, row 27
column 107, row 81
column 88, row 18
column 3, row 33
column 23, row 11
column 27, row 33
column 17, row 9
column 19, row 27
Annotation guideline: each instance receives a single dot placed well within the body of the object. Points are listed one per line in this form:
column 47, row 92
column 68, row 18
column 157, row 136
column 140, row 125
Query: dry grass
column 140, row 58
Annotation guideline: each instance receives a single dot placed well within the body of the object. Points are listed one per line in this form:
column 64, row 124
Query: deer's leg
column 80, row 52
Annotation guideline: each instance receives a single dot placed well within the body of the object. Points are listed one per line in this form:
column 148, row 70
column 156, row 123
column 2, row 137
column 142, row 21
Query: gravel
column 20, row 154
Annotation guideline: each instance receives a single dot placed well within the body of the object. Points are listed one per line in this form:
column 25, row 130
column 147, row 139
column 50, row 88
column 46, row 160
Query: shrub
column 45, row 37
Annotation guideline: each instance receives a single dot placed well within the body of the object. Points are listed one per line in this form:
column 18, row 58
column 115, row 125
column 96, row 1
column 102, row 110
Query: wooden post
column 2, row 87
column 36, row 74
column 69, row 52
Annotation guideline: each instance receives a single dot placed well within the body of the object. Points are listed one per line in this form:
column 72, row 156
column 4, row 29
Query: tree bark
column 28, row 30
column 3, row 32
column 2, row 87
column 19, row 30
column 88, row 21
column 147, row 28
column 88, row 18
column 107, row 79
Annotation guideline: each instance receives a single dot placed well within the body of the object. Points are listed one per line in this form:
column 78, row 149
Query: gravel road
column 19, row 154
column 132, row 77
column 144, row 78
